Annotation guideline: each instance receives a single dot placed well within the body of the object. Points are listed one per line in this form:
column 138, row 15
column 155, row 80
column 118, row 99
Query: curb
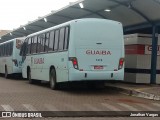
column 136, row 93
column 145, row 95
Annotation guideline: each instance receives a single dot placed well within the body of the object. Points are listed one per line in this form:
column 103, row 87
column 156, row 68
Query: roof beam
column 31, row 30
column 137, row 26
column 90, row 12
column 37, row 26
column 16, row 33
column 70, row 18
column 51, row 22
column 23, row 33
column 7, row 37
column 48, row 21
column 140, row 26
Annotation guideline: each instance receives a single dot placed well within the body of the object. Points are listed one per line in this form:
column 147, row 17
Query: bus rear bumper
column 76, row 75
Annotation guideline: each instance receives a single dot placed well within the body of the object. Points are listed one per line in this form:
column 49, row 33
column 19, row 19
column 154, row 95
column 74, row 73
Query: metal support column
column 154, row 54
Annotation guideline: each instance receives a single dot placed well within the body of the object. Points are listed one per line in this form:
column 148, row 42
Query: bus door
column 23, row 53
column 33, row 55
column 17, row 58
column 38, row 60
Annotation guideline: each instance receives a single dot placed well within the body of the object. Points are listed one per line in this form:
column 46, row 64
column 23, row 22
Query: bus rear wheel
column 53, row 82
column 6, row 72
column 29, row 77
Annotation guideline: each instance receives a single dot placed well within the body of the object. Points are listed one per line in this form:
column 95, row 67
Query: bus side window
column 7, row 49
column 34, row 45
column 51, row 40
column 41, row 40
column 23, row 51
column 66, row 39
column 3, row 50
column 29, row 46
column 11, row 48
column 56, row 40
column 39, row 44
column 0, row 51
column 46, row 47
column 61, row 39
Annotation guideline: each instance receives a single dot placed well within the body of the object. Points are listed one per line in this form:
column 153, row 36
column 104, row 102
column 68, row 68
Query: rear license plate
column 98, row 67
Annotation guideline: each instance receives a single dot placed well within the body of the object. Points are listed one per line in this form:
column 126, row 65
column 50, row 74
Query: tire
column 53, row 82
column 6, row 72
column 29, row 77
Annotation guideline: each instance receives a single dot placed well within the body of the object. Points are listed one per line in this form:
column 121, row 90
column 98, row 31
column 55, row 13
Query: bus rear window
column 18, row 43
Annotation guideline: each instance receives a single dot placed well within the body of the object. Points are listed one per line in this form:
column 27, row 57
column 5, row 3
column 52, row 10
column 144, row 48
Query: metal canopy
column 133, row 14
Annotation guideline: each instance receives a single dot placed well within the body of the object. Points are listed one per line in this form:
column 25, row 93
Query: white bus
column 10, row 60
column 79, row 50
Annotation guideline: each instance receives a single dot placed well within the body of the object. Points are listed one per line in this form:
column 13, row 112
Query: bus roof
column 69, row 22
column 12, row 40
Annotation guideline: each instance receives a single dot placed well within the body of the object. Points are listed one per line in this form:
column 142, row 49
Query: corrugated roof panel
column 149, row 8
column 125, row 15
column 73, row 13
column 92, row 16
column 96, row 5
column 57, row 19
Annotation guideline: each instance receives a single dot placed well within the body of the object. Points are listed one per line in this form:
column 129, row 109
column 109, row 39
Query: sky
column 14, row 13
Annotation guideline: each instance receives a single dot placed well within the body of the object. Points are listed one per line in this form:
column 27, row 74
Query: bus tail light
column 121, row 62
column 74, row 62
column 15, row 62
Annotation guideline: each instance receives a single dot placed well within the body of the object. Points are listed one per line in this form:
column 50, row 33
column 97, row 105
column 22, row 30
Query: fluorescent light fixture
column 45, row 19
column 107, row 10
column 10, row 34
column 0, row 38
column 24, row 28
column 81, row 5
